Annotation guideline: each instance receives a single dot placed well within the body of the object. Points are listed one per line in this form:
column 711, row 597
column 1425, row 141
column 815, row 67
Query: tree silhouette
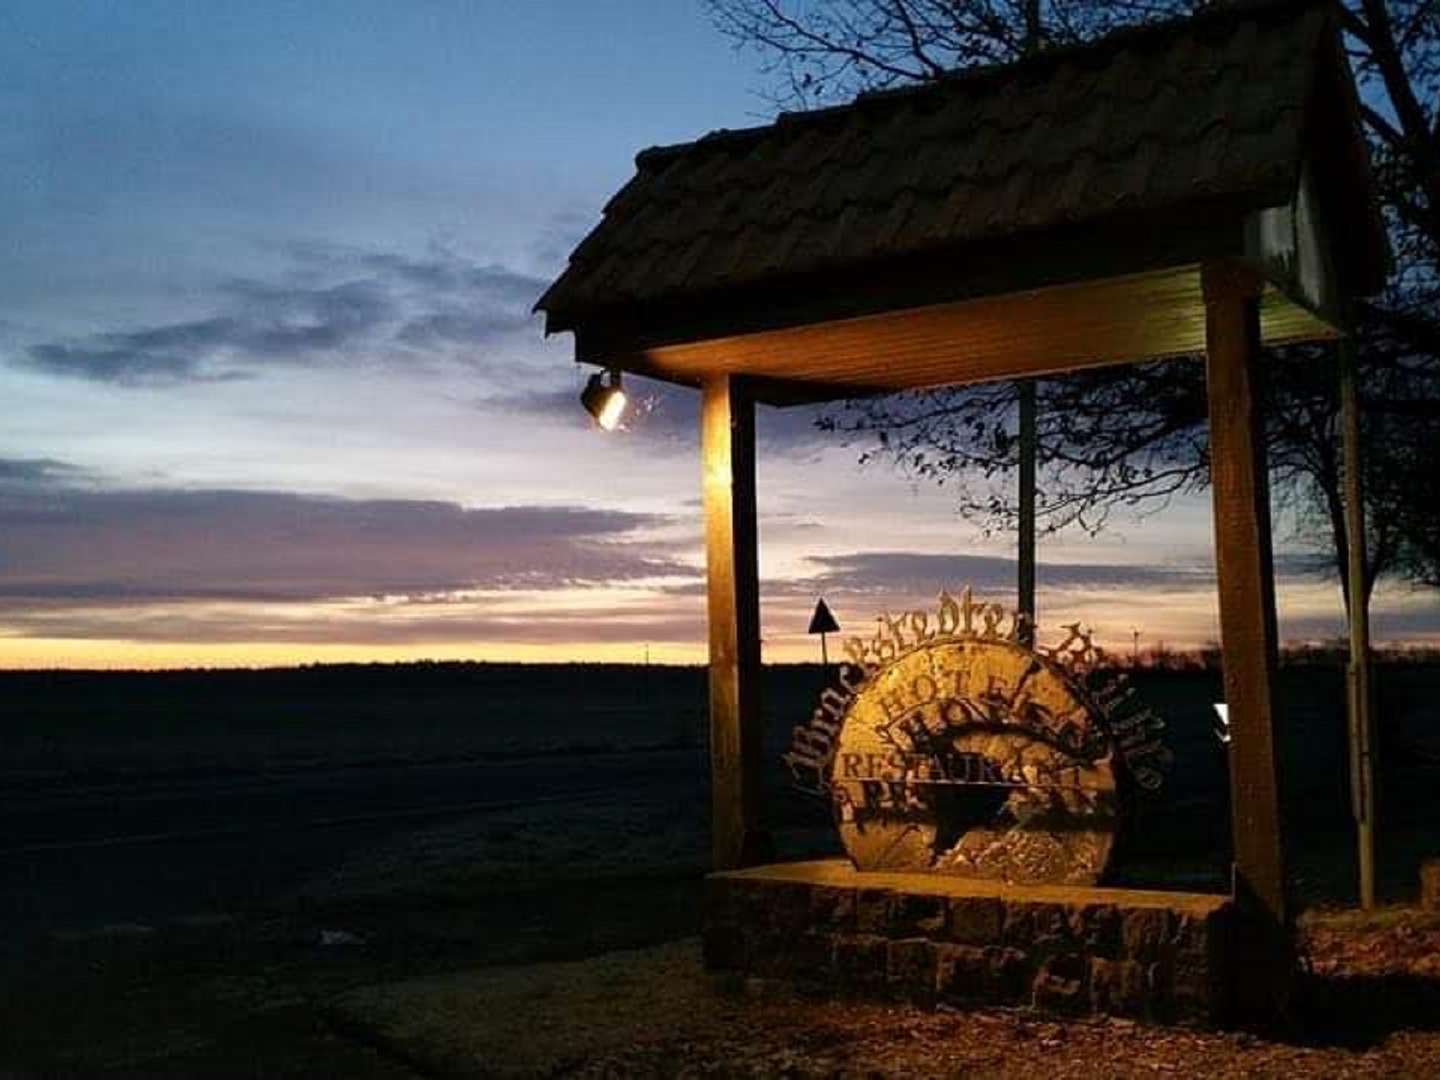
column 1134, row 437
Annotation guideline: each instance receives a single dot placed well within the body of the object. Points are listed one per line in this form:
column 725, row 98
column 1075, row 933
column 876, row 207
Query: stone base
column 1156, row 956
column 1430, row 885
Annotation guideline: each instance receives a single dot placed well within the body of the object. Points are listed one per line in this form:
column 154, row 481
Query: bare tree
column 816, row 52
column 1135, row 437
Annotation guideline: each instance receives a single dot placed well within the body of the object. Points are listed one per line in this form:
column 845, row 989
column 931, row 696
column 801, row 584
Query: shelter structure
column 1190, row 190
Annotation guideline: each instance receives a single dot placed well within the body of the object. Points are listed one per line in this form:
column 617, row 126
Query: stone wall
column 1073, row 951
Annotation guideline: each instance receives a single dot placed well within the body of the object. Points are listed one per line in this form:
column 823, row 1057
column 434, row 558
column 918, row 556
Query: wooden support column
column 1244, row 568
column 727, row 436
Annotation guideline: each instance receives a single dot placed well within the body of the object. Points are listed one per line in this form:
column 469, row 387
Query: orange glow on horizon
column 1180, row 620
column 34, row 654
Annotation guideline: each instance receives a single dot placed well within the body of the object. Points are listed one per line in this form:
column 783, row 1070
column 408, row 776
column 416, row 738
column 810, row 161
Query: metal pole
column 1025, row 568
column 1357, row 609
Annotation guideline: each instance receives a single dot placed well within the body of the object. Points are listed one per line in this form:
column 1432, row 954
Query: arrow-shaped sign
column 822, row 623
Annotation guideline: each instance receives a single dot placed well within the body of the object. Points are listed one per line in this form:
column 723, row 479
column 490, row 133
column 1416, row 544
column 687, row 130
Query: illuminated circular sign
column 952, row 747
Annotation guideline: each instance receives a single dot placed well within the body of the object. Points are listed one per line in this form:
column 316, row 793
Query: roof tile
column 1149, row 118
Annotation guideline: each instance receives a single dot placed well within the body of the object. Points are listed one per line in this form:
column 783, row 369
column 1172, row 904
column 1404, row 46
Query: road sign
column 823, row 622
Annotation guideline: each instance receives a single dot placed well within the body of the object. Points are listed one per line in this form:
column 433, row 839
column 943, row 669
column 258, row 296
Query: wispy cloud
column 912, row 572
column 62, row 544
column 875, row 576
column 482, row 620
column 18, row 472
column 554, row 240
column 339, row 306
column 1399, row 615
column 79, row 561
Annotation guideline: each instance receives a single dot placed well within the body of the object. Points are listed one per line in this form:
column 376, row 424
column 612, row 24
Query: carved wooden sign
column 948, row 746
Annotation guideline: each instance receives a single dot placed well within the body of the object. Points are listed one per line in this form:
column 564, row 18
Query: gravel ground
column 653, row 1012
column 570, row 980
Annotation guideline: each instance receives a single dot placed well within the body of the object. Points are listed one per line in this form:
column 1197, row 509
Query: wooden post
column 1357, row 610
column 1430, row 885
column 1025, row 562
column 1244, row 568
column 727, row 432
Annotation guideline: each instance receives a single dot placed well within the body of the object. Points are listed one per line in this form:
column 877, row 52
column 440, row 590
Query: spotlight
column 604, row 401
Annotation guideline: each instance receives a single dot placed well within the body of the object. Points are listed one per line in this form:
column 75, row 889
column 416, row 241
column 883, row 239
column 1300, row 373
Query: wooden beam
column 727, row 429
column 1357, row 610
column 1018, row 335
column 1244, row 567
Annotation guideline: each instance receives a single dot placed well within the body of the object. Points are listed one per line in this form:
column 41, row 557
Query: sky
column 275, row 394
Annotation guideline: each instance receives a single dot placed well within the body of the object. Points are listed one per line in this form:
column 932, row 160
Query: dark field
column 79, row 751
column 192, row 863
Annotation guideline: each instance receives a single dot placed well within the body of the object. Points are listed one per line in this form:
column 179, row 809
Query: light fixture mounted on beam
column 603, row 400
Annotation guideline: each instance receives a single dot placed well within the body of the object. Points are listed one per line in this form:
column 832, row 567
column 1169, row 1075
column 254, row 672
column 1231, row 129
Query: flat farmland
column 137, row 798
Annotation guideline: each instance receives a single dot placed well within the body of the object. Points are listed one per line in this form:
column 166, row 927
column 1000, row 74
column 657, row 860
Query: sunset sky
column 274, row 394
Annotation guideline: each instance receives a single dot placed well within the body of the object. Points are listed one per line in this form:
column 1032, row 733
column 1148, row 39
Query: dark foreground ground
column 194, row 869
column 430, row 989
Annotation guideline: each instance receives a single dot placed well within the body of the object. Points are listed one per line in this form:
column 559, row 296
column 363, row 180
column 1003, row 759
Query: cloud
column 63, row 546
column 79, row 561
column 1305, row 565
column 917, row 572
column 109, row 358
column 1413, row 618
column 16, row 472
column 445, row 272
column 442, row 329
column 482, row 619
column 926, row 573
column 338, row 305
column 553, row 242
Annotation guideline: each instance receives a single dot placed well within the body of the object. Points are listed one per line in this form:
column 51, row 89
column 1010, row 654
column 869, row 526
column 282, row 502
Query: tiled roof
column 1151, row 118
